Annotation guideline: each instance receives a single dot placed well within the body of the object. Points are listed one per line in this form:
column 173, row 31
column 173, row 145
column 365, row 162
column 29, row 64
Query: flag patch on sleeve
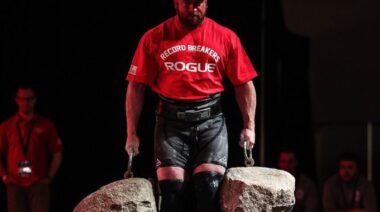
column 132, row 70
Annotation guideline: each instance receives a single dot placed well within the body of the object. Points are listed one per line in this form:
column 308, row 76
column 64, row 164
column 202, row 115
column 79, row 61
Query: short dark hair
column 286, row 150
column 349, row 156
column 27, row 85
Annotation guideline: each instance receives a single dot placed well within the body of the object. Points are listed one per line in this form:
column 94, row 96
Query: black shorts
column 189, row 144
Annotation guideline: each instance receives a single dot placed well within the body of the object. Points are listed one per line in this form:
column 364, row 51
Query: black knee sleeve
column 172, row 195
column 206, row 185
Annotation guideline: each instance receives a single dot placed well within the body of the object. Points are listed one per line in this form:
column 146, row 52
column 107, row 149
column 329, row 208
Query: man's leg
column 210, row 162
column 207, row 180
column 16, row 198
column 39, row 197
column 172, row 185
column 171, row 156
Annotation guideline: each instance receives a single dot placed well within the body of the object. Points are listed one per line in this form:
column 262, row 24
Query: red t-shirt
column 190, row 65
column 43, row 142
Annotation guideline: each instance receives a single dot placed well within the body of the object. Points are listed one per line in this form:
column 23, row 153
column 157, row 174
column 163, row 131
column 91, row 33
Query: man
column 30, row 155
column 184, row 60
column 347, row 191
column 306, row 190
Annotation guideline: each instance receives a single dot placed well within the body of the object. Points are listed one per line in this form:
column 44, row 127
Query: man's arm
column 369, row 198
column 3, row 172
column 328, row 199
column 133, row 106
column 312, row 198
column 55, row 164
column 245, row 95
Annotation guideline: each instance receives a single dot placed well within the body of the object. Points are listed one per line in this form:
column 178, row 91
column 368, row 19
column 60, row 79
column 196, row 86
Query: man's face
column 25, row 100
column 347, row 170
column 191, row 12
column 287, row 162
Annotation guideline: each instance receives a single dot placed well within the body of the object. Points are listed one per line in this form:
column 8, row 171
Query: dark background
column 78, row 53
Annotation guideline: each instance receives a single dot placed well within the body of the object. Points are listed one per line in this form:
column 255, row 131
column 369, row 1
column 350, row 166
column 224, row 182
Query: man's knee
column 172, row 186
column 170, row 173
column 206, row 185
column 172, row 195
column 209, row 167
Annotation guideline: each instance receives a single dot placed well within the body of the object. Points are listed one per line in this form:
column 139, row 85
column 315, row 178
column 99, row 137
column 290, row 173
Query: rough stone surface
column 257, row 189
column 130, row 195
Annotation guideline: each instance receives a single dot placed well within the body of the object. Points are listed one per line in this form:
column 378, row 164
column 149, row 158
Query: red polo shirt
column 16, row 147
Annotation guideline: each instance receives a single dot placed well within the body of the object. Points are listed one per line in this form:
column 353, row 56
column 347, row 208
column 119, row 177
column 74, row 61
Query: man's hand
column 7, row 179
column 46, row 180
column 132, row 145
column 4, row 178
column 249, row 136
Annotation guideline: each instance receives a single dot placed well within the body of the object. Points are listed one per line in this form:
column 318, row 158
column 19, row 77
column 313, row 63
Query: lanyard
column 25, row 144
column 352, row 202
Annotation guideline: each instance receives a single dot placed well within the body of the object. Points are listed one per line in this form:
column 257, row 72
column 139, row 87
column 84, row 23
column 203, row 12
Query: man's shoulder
column 332, row 180
column 306, row 179
column 42, row 120
column 160, row 28
column 219, row 28
column 364, row 182
column 10, row 121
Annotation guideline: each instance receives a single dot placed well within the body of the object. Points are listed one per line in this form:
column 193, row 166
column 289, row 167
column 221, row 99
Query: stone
column 129, row 195
column 257, row 189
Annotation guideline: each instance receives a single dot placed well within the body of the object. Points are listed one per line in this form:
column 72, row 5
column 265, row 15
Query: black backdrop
column 78, row 52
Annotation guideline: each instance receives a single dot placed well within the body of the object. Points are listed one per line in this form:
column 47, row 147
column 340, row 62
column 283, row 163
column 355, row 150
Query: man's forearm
column 55, row 164
column 2, row 167
column 133, row 105
column 246, row 98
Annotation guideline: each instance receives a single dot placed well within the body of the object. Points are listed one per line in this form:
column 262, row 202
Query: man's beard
column 192, row 20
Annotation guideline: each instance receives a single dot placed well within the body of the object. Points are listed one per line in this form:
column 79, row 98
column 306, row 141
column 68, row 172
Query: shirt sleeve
column 327, row 198
column 143, row 67
column 312, row 199
column 55, row 143
column 239, row 67
column 3, row 143
column 369, row 198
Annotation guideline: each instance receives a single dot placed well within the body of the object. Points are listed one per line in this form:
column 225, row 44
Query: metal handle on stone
column 129, row 173
column 249, row 161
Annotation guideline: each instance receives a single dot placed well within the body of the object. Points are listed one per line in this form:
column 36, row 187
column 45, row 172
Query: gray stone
column 257, row 189
column 130, row 195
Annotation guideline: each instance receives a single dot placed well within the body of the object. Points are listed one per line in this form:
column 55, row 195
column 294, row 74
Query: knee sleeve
column 172, row 195
column 206, row 185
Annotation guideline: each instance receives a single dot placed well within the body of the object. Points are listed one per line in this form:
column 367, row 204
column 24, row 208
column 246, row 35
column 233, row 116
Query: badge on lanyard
column 25, row 166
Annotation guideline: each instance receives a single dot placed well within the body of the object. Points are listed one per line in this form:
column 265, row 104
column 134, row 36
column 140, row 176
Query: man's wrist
column 251, row 128
column 131, row 134
column 249, row 125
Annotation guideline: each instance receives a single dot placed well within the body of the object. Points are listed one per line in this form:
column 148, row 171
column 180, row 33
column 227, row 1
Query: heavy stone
column 257, row 189
column 130, row 195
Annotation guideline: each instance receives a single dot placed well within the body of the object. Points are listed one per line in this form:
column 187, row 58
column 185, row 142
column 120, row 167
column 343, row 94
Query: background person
column 348, row 191
column 306, row 192
column 30, row 155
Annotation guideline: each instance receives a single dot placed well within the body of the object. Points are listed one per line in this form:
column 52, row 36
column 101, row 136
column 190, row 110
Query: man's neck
column 26, row 116
column 351, row 182
column 183, row 26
